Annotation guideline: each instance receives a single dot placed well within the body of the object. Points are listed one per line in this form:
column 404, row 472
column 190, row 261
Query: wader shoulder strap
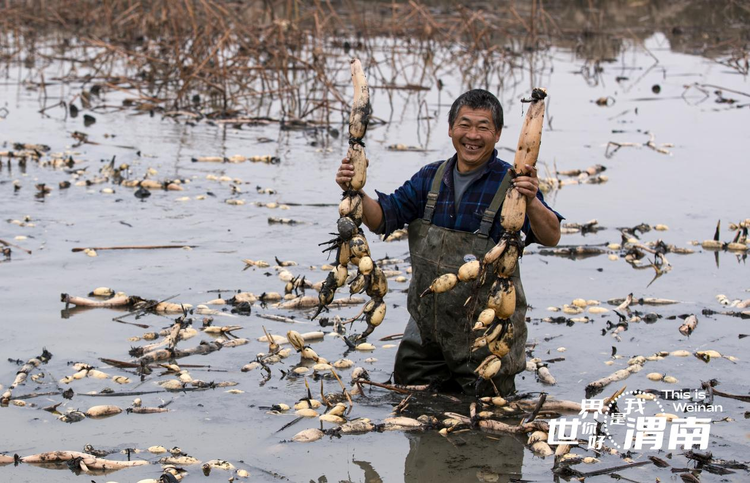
column 432, row 196
column 491, row 211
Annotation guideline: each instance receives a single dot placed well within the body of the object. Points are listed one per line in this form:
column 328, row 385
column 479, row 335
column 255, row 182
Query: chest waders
column 437, row 342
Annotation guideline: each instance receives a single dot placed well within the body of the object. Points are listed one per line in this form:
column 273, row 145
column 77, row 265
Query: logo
column 635, row 420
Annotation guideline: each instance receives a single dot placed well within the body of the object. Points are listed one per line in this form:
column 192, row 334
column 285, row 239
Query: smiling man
column 452, row 209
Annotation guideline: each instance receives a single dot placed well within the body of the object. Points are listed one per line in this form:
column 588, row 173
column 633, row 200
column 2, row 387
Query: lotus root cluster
column 350, row 244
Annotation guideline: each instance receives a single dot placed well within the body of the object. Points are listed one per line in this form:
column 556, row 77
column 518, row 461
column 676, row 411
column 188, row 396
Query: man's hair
column 478, row 99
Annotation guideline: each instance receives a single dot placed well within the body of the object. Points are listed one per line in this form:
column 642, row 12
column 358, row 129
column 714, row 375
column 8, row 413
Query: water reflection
column 468, row 456
column 370, row 474
column 463, row 457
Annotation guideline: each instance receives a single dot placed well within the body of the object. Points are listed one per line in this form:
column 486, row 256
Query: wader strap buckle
column 489, row 214
column 432, row 196
column 429, row 208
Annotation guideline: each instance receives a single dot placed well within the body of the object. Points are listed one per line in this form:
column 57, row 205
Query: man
column 452, row 211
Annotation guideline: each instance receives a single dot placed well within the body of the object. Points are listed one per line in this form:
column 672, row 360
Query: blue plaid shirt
column 407, row 203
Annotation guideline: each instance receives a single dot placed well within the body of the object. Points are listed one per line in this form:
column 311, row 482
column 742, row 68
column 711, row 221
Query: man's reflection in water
column 470, row 456
column 371, row 476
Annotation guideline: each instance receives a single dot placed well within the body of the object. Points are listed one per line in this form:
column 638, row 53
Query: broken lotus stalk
column 203, row 348
column 23, row 374
column 84, row 461
column 491, row 425
column 117, row 301
column 597, row 386
column 351, row 245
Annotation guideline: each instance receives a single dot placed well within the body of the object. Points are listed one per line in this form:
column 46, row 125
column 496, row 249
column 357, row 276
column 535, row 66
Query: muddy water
column 702, row 181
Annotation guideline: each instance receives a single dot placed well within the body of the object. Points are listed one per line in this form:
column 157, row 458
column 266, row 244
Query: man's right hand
column 345, row 174
column 372, row 214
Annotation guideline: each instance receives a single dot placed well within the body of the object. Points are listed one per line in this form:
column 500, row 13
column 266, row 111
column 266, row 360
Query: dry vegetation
column 287, row 59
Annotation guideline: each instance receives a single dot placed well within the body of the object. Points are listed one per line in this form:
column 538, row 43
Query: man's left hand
column 528, row 184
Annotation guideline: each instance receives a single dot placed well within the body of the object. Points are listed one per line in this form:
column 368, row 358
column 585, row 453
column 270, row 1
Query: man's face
column 474, row 136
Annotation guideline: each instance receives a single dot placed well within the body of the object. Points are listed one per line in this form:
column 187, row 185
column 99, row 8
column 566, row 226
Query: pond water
column 703, row 179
